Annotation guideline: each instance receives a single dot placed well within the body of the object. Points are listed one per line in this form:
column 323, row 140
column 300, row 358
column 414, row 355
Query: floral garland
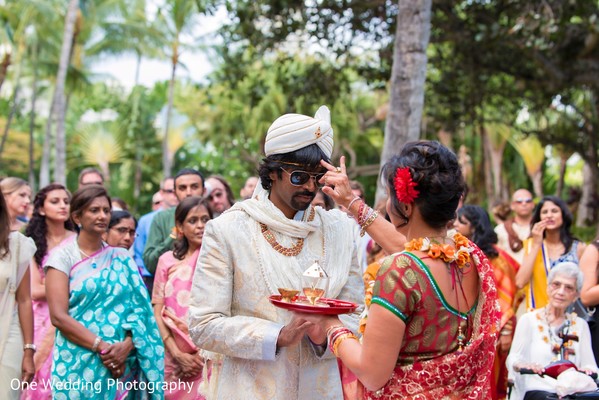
column 405, row 187
column 460, row 254
column 549, row 337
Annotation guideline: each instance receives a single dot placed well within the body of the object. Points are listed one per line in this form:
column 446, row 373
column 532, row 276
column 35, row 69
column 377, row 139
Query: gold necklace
column 286, row 251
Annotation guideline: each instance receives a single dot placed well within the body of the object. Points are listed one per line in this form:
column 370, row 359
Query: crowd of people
column 98, row 304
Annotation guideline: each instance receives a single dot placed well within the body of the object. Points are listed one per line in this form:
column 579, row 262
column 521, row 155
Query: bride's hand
column 336, row 183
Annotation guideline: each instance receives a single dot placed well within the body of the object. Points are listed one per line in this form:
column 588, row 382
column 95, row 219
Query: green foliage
column 231, row 115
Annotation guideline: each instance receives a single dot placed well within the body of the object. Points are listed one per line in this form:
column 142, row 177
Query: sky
column 196, row 63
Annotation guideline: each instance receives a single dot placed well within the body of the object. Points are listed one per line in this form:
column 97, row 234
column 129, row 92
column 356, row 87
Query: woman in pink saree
column 171, row 296
column 432, row 323
column 49, row 227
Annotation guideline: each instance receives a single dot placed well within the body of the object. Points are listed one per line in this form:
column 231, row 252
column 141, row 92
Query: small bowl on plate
column 288, row 295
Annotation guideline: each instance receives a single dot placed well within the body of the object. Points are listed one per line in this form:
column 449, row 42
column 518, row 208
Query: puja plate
column 322, row 306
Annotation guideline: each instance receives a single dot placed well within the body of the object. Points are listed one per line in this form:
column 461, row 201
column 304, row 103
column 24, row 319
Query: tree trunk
column 137, row 69
column 563, row 164
column 32, row 119
column 586, row 214
column 11, row 114
column 493, row 150
column 537, row 183
column 133, row 135
column 15, row 99
column 408, row 75
column 166, row 158
column 45, row 165
column 4, row 67
column 59, row 95
column 487, row 166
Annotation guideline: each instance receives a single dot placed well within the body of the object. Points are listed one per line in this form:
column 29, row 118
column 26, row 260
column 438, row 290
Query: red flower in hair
column 405, row 187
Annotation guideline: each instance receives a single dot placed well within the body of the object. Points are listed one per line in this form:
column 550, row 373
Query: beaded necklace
column 286, row 251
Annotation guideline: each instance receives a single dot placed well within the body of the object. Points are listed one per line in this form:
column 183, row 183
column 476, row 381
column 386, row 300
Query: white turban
column 291, row 132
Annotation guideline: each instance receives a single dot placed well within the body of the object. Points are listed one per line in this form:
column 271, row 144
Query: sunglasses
column 299, row 177
column 522, row 201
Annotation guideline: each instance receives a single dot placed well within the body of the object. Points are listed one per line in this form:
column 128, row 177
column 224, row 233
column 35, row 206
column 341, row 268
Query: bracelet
column 352, row 202
column 368, row 222
column 30, row 346
column 505, row 333
column 339, row 339
column 360, row 212
column 334, row 333
column 166, row 337
column 96, row 344
column 332, row 328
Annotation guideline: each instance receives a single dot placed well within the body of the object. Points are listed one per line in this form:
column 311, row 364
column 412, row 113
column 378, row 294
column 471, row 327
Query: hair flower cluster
column 405, row 187
column 459, row 253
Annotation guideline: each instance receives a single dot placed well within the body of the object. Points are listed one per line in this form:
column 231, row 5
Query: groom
column 266, row 243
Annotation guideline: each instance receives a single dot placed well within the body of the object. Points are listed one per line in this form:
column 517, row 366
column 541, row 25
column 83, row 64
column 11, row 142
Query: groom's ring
column 338, row 170
column 111, row 365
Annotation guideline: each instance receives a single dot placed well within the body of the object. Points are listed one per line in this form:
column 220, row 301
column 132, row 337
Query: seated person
column 537, row 342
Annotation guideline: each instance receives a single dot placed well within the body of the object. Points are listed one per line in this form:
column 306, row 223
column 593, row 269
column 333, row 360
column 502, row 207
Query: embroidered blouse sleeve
column 396, row 287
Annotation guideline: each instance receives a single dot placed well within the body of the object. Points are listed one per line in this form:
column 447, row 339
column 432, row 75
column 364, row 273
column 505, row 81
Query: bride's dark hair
column 439, row 179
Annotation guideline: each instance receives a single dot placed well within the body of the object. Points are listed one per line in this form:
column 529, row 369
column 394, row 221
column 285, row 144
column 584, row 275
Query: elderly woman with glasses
column 538, row 337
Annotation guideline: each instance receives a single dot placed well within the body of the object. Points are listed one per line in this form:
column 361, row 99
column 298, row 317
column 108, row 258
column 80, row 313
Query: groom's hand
column 292, row 333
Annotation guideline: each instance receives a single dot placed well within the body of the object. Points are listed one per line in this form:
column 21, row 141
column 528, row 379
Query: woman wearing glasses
column 550, row 243
column 121, row 229
column 537, row 340
column 50, row 226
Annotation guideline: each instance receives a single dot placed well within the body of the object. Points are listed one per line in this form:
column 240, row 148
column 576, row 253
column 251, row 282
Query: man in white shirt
column 513, row 231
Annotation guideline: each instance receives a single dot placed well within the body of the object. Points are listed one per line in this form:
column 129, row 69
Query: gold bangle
column 368, row 222
column 166, row 337
column 341, row 338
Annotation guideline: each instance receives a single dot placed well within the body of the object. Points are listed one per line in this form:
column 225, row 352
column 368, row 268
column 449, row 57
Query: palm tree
column 58, row 106
column 178, row 17
column 408, row 75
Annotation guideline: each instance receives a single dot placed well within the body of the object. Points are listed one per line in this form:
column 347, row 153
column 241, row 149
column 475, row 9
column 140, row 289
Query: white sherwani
column 230, row 313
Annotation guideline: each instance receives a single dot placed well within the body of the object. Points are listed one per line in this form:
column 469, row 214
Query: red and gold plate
column 323, row 306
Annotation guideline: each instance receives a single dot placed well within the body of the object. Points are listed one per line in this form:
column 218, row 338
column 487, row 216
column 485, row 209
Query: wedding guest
column 17, row 197
column 551, row 242
column 537, row 340
column 172, row 285
column 16, row 325
column 101, row 311
column 50, row 226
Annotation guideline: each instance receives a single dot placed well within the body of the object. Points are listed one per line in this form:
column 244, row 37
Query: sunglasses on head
column 298, row 177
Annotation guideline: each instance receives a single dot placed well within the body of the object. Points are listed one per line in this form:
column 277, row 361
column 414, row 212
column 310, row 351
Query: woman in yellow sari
column 551, row 242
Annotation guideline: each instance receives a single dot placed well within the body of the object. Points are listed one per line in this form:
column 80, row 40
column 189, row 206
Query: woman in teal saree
column 107, row 343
